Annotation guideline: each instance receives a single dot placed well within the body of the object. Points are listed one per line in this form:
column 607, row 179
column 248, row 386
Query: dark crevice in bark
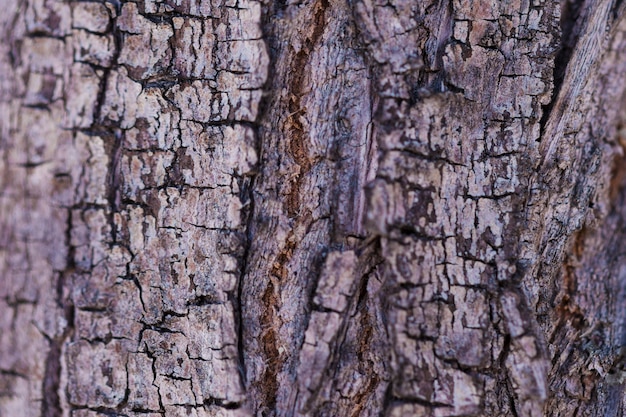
column 571, row 14
column 618, row 10
column 223, row 404
column 388, row 400
column 13, row 373
column 247, row 197
column 510, row 392
column 117, row 49
column 114, row 134
column 114, row 192
column 571, row 24
column 51, row 401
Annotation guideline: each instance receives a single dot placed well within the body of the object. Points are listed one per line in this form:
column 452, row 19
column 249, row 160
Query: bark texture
column 316, row 208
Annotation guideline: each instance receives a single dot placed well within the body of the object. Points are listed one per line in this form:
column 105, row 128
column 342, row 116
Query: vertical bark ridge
column 308, row 199
column 586, row 334
column 297, row 144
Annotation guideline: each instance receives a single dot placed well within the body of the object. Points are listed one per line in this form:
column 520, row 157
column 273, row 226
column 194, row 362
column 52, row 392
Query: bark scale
column 325, row 208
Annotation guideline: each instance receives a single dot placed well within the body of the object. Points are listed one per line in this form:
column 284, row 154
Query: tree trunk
column 317, row 208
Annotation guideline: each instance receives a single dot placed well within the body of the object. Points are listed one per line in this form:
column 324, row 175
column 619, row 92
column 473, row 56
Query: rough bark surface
column 316, row 208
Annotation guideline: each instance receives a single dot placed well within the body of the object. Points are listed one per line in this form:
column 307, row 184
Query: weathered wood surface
column 319, row 208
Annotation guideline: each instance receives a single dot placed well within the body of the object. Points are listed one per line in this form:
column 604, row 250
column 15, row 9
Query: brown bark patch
column 579, row 243
column 279, row 267
column 269, row 380
column 297, row 142
column 567, row 310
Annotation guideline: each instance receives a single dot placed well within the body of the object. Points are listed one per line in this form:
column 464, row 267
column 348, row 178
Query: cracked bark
column 324, row 208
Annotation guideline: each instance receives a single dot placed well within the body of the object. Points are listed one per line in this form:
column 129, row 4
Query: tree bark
column 317, row 208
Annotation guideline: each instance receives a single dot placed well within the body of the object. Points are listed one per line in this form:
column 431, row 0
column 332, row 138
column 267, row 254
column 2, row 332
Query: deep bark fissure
column 249, row 236
column 571, row 23
column 51, row 404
